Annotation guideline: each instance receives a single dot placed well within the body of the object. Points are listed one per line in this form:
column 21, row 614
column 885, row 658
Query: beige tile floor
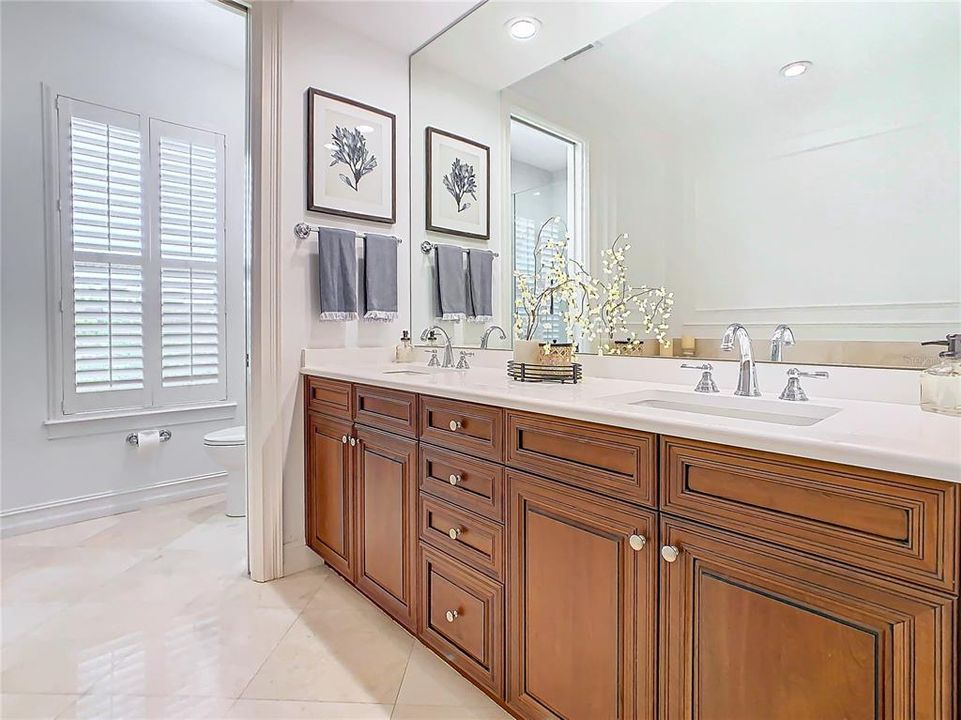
column 149, row 614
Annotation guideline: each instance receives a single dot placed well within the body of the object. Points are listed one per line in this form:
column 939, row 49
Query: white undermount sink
column 406, row 371
column 780, row 412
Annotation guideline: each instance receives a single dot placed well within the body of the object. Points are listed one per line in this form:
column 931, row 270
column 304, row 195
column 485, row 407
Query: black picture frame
column 314, row 204
column 433, row 222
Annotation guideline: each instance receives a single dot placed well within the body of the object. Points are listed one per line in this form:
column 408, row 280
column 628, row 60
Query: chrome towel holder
column 304, row 231
column 427, row 246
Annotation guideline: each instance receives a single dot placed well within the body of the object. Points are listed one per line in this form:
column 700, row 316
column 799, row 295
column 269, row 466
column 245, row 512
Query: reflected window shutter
column 191, row 231
column 102, row 207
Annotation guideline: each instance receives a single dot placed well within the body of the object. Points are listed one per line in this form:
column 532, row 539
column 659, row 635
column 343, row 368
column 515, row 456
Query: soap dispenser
column 941, row 383
column 404, row 352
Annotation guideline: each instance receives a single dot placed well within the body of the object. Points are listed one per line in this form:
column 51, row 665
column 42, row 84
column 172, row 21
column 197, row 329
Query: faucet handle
column 462, row 363
column 706, row 384
column 793, row 390
column 433, row 362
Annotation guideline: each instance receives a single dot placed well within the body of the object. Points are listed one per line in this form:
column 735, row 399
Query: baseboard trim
column 90, row 507
column 299, row 557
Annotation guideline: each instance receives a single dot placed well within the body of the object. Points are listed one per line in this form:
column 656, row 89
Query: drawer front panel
column 474, row 429
column 391, row 410
column 330, row 397
column 469, row 483
column 462, row 618
column 470, row 538
column 619, row 463
column 893, row 524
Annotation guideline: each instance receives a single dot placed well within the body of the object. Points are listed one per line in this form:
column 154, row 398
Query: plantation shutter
column 103, row 258
column 189, row 164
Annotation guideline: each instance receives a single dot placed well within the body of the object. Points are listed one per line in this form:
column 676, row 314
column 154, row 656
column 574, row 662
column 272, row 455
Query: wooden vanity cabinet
column 576, row 571
column 755, row 632
column 582, row 588
column 386, row 522
column 329, row 491
column 361, row 489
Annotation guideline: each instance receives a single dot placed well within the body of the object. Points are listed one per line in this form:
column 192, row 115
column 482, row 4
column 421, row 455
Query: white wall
column 68, row 46
column 319, row 53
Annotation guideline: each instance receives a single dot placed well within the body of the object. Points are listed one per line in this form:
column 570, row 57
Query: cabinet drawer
column 462, row 618
column 619, row 463
column 475, row 429
column 472, row 484
column 391, row 410
column 330, row 397
column 885, row 522
column 470, row 538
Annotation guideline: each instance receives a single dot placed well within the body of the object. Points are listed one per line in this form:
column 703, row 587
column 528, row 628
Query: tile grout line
column 400, row 687
column 270, row 654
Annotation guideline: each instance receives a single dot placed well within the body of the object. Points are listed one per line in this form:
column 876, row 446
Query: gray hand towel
column 380, row 278
column 337, row 262
column 479, row 272
column 451, row 282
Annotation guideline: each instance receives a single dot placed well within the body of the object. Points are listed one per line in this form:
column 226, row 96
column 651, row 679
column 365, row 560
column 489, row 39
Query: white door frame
column 265, row 447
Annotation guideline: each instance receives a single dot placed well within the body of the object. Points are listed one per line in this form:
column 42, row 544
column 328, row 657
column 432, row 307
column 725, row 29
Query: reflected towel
column 337, row 263
column 380, row 278
column 480, row 274
column 451, row 282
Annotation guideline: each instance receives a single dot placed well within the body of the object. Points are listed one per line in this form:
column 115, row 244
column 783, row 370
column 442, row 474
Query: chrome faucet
column 783, row 335
column 429, row 334
column 747, row 375
column 485, row 338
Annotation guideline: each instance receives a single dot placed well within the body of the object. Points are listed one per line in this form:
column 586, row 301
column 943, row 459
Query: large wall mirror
column 770, row 164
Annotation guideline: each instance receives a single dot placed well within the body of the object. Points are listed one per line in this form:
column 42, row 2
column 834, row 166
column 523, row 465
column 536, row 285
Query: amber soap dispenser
column 941, row 383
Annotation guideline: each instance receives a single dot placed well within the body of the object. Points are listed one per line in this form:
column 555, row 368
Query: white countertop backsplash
column 879, row 424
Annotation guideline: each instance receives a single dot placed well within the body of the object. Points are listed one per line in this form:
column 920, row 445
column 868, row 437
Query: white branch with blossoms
column 617, row 301
column 598, row 308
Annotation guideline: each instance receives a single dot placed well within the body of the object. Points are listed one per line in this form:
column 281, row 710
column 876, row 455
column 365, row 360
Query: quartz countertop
column 885, row 436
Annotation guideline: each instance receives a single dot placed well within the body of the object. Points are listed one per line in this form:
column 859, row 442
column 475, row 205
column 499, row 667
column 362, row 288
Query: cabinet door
column 387, row 522
column 758, row 633
column 329, row 491
column 581, row 604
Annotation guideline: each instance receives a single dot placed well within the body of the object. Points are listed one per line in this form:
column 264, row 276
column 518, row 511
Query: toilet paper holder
column 165, row 435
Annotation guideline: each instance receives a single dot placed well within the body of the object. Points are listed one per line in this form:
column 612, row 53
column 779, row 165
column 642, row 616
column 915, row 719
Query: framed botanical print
column 351, row 158
column 458, row 185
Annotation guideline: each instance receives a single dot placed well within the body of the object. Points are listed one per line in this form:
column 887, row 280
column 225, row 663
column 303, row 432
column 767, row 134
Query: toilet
column 228, row 448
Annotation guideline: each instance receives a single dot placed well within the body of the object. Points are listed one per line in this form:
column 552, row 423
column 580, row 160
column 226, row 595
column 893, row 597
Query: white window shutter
column 103, row 220
column 189, row 168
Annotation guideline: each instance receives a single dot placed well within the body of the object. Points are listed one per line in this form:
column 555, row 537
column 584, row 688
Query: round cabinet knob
column 451, row 615
column 670, row 553
column 454, row 479
column 455, row 425
column 343, row 439
column 454, row 533
column 353, row 441
column 637, row 542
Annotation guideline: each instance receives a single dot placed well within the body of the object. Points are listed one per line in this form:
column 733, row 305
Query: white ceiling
column 402, row 25
column 538, row 149
column 201, row 27
column 480, row 49
column 715, row 65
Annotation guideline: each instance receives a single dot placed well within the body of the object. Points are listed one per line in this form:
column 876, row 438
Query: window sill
column 131, row 420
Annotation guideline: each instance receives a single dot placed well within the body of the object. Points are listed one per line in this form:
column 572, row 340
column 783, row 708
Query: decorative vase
column 527, row 351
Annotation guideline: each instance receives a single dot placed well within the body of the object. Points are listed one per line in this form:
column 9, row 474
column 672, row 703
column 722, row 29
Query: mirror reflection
column 656, row 172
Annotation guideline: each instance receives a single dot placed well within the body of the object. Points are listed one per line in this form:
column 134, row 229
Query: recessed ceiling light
column 523, row 28
column 796, row 68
